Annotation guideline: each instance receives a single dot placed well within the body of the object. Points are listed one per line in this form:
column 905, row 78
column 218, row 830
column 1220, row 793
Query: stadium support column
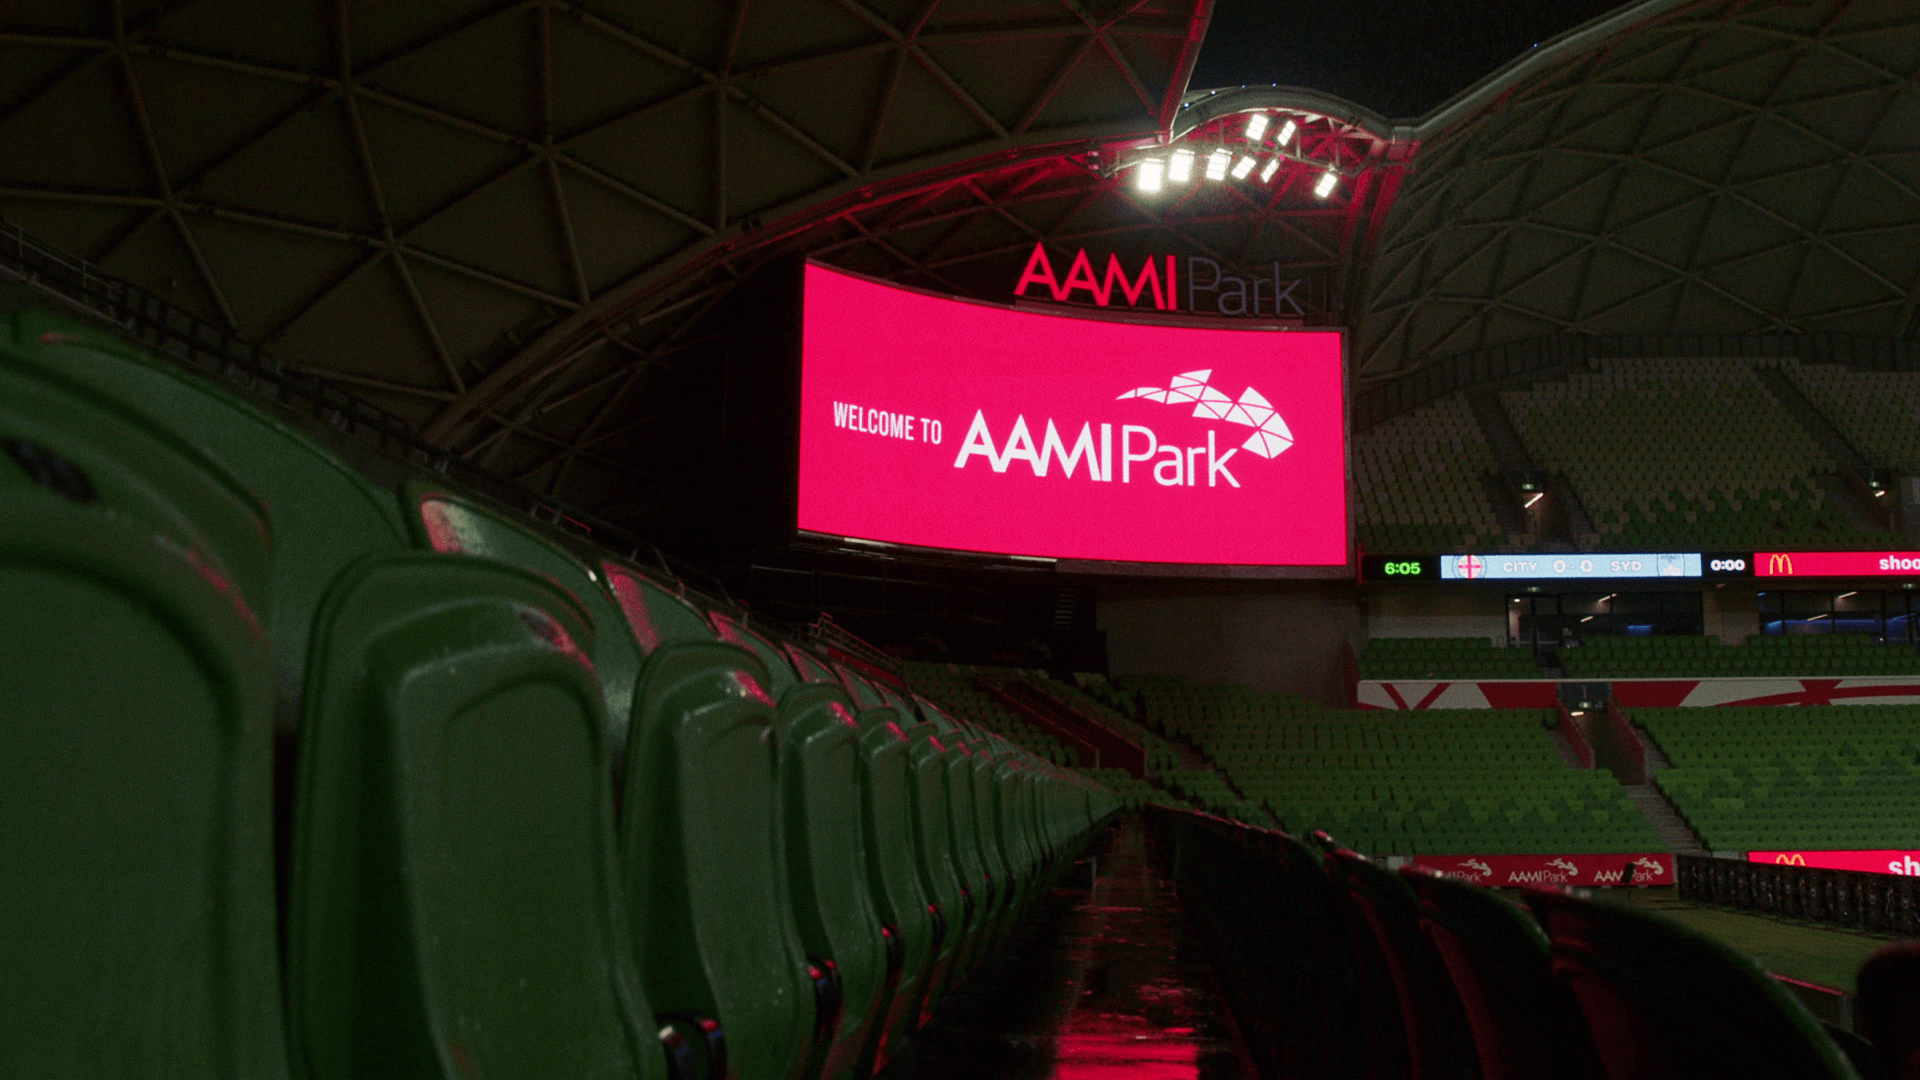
column 1910, row 508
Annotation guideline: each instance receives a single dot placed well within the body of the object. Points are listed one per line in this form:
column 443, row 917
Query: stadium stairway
column 1666, row 821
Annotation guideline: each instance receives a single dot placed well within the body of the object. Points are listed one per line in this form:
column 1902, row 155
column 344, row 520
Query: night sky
column 1397, row 57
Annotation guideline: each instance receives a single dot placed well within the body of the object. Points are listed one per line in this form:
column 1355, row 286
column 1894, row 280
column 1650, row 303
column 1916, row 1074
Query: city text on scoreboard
column 1570, row 567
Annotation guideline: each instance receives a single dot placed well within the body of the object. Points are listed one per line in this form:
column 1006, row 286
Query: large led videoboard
column 943, row 423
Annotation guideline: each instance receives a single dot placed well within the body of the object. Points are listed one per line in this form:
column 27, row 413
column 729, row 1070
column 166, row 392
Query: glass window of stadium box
column 1549, row 621
column 1885, row 614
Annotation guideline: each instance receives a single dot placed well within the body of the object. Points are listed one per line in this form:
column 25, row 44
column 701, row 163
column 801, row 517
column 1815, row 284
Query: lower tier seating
column 1790, row 778
column 1469, row 781
column 305, row 775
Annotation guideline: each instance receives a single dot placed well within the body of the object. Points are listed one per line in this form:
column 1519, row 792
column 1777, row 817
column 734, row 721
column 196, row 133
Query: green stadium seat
column 323, row 514
column 1438, row 1043
column 827, row 865
column 455, row 908
column 780, row 673
column 655, row 615
column 1664, row 1001
column 137, row 934
column 933, row 839
column 712, row 922
column 451, row 524
column 886, row 802
column 1524, row 1025
column 981, row 898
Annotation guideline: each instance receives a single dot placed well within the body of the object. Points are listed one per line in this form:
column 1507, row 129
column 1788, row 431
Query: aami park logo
column 1172, row 465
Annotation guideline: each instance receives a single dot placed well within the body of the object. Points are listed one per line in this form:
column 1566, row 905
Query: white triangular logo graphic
column 1271, row 436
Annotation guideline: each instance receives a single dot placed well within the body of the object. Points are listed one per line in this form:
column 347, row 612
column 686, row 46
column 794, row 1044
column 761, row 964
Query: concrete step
column 1666, row 821
column 1565, row 747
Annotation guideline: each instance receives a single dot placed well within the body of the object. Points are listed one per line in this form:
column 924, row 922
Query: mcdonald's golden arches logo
column 1780, row 564
column 1795, row 859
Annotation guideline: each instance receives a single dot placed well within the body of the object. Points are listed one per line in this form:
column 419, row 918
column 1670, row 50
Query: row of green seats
column 1803, row 777
column 956, row 687
column 1763, row 655
column 1453, row 781
column 799, row 863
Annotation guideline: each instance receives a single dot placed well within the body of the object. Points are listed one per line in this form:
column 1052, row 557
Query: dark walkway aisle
column 1106, row 981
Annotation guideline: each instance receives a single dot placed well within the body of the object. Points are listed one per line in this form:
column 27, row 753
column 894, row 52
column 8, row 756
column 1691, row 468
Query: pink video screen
column 944, row 423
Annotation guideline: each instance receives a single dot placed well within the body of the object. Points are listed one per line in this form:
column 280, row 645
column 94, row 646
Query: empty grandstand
column 1449, row 658
column 875, row 541
column 1686, row 453
column 1444, row 782
column 1801, row 778
column 1761, row 655
column 1422, row 477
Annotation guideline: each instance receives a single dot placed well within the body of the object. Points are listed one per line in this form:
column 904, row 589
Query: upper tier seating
column 1684, row 454
column 459, row 692
column 1475, row 781
column 1877, row 411
column 1445, row 658
column 1420, row 482
column 1805, row 777
column 1686, row 656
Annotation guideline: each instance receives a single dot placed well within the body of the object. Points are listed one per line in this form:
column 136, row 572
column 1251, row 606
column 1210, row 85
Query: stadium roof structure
column 512, row 222
column 1721, row 167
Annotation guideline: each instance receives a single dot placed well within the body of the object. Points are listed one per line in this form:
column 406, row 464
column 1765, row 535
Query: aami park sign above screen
column 1163, row 283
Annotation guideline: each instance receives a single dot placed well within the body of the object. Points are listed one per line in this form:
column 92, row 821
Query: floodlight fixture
column 1272, row 166
column 1286, row 132
column 1242, row 167
column 1217, row 163
column 1326, row 185
column 1152, row 172
column 1256, row 126
column 1180, row 165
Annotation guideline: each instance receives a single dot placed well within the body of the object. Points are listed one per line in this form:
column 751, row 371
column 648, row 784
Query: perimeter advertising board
column 1586, row 870
column 1900, row 863
column 942, row 423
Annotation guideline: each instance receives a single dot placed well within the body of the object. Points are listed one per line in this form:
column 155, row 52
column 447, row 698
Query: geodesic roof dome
column 1716, row 167
column 447, row 206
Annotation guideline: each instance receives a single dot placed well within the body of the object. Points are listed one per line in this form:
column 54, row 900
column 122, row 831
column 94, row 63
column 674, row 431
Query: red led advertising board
column 1836, row 563
column 1901, row 863
column 944, row 423
column 1590, row 871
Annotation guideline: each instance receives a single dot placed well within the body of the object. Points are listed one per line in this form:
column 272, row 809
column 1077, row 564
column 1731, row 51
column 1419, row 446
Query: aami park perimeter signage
column 1508, row 871
column 943, row 423
column 1900, row 863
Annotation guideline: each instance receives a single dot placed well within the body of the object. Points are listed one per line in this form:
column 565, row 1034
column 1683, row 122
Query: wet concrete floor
column 1106, row 980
